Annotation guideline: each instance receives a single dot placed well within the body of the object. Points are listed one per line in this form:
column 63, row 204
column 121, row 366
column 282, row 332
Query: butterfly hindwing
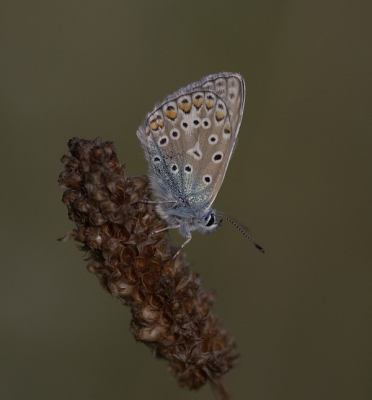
column 189, row 138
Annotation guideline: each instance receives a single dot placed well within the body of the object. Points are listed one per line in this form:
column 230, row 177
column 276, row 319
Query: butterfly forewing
column 189, row 138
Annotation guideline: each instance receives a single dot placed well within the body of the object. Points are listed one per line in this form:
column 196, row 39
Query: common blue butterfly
column 188, row 140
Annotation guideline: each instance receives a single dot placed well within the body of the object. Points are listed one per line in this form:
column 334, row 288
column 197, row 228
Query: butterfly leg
column 184, row 244
column 156, row 202
column 164, row 229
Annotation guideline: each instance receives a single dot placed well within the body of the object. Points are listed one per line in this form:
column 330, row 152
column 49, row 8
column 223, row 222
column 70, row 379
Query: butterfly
column 188, row 140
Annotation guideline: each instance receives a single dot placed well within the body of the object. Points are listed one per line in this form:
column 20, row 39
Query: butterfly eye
column 156, row 160
column 210, row 220
column 188, row 169
column 174, row 168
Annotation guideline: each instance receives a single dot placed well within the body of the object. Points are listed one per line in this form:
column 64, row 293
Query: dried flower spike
column 171, row 313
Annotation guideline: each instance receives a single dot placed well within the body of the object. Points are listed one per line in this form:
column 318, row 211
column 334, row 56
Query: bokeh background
column 300, row 179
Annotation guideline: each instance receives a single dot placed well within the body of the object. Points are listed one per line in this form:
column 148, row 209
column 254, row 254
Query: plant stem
column 220, row 390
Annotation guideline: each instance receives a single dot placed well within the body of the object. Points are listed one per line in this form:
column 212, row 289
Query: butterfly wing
column 189, row 138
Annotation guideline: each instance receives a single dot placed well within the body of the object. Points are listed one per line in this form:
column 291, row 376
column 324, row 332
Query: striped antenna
column 262, row 250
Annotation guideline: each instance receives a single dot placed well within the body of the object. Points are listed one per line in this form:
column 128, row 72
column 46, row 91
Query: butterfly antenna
column 262, row 250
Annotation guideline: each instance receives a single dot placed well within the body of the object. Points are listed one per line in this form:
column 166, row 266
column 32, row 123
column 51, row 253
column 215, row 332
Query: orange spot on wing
column 186, row 107
column 220, row 115
column 197, row 102
column 171, row 114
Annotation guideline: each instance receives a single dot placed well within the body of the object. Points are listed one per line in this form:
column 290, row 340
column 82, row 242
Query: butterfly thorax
column 188, row 219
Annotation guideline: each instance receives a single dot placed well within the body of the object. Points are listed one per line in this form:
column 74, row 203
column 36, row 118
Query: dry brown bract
column 171, row 313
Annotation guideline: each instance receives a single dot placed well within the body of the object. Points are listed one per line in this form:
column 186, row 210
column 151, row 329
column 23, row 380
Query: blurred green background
column 300, row 179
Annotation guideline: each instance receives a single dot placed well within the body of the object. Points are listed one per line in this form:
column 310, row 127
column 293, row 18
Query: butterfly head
column 209, row 222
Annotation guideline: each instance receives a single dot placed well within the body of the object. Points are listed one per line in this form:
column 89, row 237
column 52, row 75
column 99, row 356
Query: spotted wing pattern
column 189, row 139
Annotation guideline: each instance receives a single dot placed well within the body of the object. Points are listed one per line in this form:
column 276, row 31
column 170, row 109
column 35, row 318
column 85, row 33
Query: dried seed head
column 171, row 313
